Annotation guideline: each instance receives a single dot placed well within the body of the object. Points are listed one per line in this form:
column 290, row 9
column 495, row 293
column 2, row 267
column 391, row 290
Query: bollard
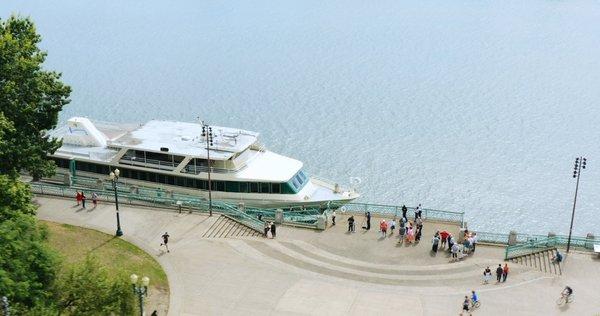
column 241, row 207
column 512, row 238
column 589, row 241
column 179, row 206
column 278, row 216
column 321, row 222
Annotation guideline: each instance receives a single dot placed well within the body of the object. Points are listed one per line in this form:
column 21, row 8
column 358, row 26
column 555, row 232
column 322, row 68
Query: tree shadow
column 101, row 245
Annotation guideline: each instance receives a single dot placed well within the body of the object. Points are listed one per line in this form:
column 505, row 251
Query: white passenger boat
column 175, row 156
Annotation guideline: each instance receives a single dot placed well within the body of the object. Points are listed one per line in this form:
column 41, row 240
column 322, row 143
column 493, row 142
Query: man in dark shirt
column 351, row 224
column 165, row 238
column 368, row 220
column 273, row 230
column 499, row 272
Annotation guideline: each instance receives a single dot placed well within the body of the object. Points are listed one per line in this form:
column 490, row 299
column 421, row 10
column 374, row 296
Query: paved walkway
column 305, row 272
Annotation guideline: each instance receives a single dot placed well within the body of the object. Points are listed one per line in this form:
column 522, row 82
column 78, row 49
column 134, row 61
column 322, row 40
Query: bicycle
column 476, row 304
column 564, row 299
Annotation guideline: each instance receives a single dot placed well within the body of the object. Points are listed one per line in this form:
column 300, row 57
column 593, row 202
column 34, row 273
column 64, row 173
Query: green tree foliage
column 30, row 100
column 15, row 197
column 27, row 264
column 87, row 289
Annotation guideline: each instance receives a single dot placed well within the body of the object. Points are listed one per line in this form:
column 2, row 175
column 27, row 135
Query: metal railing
column 539, row 242
column 396, row 211
column 160, row 202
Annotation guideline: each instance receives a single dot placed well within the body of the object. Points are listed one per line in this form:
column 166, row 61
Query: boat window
column 265, row 187
column 150, row 159
column 276, row 188
column 253, row 187
column 296, row 183
column 243, row 187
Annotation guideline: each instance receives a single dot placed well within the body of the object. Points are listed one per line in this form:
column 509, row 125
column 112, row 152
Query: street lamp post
column 580, row 163
column 114, row 177
column 207, row 133
column 141, row 290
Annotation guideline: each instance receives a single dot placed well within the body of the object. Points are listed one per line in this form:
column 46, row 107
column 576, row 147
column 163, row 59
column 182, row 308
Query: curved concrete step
column 323, row 255
column 265, row 251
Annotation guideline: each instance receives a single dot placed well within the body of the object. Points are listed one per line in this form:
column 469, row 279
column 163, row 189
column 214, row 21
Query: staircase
column 224, row 227
column 539, row 260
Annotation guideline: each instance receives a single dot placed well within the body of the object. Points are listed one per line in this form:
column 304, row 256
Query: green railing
column 162, row 202
column 396, row 211
column 540, row 242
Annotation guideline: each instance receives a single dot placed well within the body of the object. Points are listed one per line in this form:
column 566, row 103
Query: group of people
column 81, row 198
column 270, row 227
column 501, row 274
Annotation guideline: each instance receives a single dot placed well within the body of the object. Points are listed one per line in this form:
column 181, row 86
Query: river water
column 475, row 106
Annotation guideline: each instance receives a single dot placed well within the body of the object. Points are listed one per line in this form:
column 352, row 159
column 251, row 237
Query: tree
column 27, row 264
column 87, row 289
column 30, row 99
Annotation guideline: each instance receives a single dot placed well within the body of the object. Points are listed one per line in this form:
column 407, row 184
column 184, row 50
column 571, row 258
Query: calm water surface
column 475, row 106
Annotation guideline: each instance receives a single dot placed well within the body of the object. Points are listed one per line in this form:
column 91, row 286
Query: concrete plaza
column 332, row 272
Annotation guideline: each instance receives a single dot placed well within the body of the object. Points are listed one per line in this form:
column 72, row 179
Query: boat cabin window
column 150, row 159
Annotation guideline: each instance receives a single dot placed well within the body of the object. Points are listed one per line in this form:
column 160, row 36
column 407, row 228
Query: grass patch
column 118, row 256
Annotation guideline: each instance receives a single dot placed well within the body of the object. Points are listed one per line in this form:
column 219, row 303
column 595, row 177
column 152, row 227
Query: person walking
column 487, row 275
column 267, row 228
column 474, row 241
column 273, row 230
column 499, row 272
column 404, row 210
column 450, row 241
column 383, row 228
column 505, row 272
column 83, row 199
column 95, row 199
column 165, row 242
column 368, row 220
column 351, row 224
column 466, row 305
column 392, row 226
column 78, row 197
column 435, row 242
column 333, row 218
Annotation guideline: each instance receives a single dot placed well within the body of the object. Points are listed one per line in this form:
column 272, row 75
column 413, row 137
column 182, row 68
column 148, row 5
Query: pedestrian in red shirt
column 78, row 197
column 444, row 236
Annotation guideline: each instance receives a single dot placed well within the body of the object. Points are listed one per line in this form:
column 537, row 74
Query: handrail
column 396, row 211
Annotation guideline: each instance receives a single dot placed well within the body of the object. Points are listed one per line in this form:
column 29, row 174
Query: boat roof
column 82, row 136
column 186, row 139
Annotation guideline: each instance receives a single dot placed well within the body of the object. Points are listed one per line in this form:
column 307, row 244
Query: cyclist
column 567, row 292
column 474, row 298
column 558, row 258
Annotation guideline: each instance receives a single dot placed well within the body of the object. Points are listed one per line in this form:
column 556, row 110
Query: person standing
column 487, row 275
column 78, row 197
column 505, row 272
column 444, row 237
column 435, row 242
column 273, row 230
column 418, row 211
column 351, row 223
column 165, row 242
column 402, row 232
column 474, row 241
column 454, row 251
column 95, row 199
column 383, row 228
column 368, row 220
column 450, row 241
column 418, row 233
column 83, row 199
column 404, row 210
column 267, row 227
column 333, row 218
column 392, row 226
column 499, row 272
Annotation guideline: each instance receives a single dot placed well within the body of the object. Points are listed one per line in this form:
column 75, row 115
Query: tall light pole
column 140, row 290
column 580, row 163
column 207, row 133
column 114, row 177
